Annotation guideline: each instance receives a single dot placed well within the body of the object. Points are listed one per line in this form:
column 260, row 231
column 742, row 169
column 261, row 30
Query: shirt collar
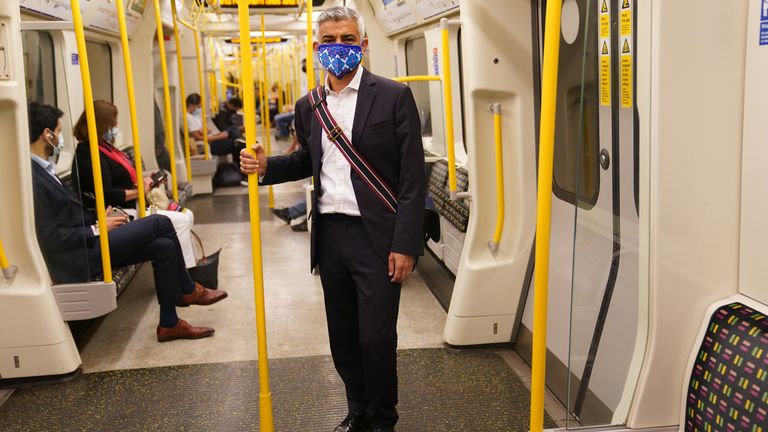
column 47, row 165
column 354, row 84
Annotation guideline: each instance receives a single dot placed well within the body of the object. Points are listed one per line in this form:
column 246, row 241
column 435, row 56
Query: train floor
column 131, row 382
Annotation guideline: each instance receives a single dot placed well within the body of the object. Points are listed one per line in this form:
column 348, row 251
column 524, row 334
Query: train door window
column 39, row 66
column 416, row 64
column 100, row 62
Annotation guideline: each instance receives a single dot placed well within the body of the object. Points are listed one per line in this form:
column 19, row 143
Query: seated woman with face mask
column 118, row 174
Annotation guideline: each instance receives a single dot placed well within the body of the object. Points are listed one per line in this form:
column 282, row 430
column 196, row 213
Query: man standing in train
column 360, row 138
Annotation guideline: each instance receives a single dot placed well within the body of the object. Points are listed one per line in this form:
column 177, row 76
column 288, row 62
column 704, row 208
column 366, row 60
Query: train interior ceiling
column 654, row 283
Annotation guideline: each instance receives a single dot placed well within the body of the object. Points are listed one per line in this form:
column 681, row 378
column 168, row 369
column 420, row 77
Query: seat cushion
column 728, row 389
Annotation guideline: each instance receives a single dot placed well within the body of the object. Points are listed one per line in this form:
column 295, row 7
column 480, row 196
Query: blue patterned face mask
column 339, row 59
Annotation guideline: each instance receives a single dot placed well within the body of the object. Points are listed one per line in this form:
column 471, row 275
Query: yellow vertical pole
column 544, row 211
column 214, row 85
column 85, row 74
column 9, row 271
column 224, row 79
column 266, row 423
column 132, row 107
column 203, row 97
column 182, row 90
column 297, row 78
column 267, row 131
column 448, row 103
column 310, row 49
column 281, row 90
column 167, row 96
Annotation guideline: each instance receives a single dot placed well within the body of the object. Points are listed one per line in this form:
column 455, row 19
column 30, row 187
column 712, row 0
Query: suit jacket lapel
column 41, row 172
column 365, row 95
column 316, row 144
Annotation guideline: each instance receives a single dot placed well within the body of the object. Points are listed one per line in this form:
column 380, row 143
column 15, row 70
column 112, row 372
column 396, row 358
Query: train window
column 416, row 64
column 576, row 164
column 39, row 66
column 100, row 62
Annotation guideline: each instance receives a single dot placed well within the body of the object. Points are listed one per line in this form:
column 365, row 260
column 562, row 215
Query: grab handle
column 494, row 243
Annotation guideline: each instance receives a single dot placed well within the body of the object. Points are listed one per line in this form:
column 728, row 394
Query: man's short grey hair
column 340, row 13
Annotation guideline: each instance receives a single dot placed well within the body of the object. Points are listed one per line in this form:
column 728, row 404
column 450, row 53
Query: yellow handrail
column 182, row 91
column 310, row 49
column 9, row 271
column 265, row 108
column 281, row 84
column 93, row 141
column 266, row 422
column 214, row 87
column 544, row 211
column 132, row 107
column 448, row 106
column 494, row 243
column 167, row 99
column 417, row 78
column 203, row 97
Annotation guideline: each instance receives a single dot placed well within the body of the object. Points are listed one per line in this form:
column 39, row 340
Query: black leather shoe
column 356, row 422
column 383, row 429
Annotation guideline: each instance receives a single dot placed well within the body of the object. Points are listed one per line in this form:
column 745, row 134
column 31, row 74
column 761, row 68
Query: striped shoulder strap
column 359, row 165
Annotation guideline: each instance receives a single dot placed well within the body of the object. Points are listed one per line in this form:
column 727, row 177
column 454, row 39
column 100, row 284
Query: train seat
column 728, row 385
column 454, row 214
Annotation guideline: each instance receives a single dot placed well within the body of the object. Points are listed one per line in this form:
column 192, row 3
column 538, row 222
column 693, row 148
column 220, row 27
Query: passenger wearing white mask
column 118, row 175
column 222, row 143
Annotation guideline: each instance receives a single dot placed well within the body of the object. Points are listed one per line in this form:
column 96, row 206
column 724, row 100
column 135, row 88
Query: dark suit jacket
column 387, row 133
column 64, row 231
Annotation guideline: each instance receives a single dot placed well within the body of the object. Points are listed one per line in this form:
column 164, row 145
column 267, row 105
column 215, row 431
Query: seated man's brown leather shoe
column 183, row 330
column 202, row 296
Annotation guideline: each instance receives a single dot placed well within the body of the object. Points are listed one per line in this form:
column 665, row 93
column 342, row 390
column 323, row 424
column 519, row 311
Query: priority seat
column 728, row 386
column 454, row 214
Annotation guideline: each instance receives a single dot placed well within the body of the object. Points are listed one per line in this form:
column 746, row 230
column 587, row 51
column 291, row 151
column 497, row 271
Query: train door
column 594, row 260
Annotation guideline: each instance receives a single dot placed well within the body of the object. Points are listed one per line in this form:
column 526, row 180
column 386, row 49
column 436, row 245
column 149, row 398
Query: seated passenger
column 118, row 175
column 68, row 236
column 221, row 143
column 282, row 124
column 227, row 120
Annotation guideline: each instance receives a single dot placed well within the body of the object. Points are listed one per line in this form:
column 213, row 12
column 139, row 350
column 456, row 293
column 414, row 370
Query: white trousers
column 182, row 223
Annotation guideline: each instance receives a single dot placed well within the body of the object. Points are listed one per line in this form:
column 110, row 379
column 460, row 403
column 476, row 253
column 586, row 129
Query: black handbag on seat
column 206, row 272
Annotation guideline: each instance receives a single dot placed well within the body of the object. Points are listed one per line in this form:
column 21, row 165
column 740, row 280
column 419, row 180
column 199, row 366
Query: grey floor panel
column 440, row 390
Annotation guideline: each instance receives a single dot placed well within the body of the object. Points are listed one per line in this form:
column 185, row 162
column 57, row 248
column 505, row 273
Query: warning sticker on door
column 604, row 48
column 627, row 56
column 764, row 23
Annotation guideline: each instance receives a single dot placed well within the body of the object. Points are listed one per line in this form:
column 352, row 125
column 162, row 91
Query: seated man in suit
column 68, row 236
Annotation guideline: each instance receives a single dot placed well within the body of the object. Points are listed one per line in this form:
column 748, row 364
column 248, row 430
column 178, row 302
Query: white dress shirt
column 335, row 173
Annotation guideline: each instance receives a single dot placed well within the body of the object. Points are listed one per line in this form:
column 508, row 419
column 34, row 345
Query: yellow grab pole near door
column 167, row 98
column 9, row 271
column 281, row 91
column 310, row 49
column 182, row 90
column 448, row 104
column 266, row 423
column 214, row 87
column 132, row 107
column 93, row 141
column 494, row 243
column 544, row 211
column 267, row 131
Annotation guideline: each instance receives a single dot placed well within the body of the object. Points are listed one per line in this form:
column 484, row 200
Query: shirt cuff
column 95, row 229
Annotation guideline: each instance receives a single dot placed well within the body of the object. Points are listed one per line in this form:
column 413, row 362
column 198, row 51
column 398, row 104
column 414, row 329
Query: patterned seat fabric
column 456, row 212
column 728, row 390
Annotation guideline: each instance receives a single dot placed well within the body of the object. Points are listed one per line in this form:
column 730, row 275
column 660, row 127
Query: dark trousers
column 361, row 306
column 152, row 238
column 227, row 147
